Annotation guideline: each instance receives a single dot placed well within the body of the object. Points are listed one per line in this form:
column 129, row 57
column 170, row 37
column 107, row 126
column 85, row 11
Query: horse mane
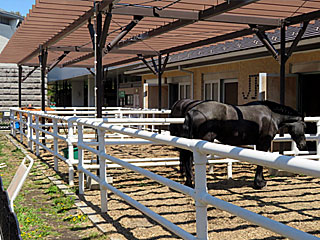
column 276, row 108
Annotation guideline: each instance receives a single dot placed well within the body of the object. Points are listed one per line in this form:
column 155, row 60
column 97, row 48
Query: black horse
column 254, row 123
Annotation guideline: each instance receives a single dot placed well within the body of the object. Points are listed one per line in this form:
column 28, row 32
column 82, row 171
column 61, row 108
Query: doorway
column 173, row 93
column 230, row 91
column 309, row 105
column 309, row 85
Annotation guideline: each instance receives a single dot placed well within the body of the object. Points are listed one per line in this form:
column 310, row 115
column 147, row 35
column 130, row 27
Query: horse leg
column 186, row 166
column 189, row 172
column 259, row 181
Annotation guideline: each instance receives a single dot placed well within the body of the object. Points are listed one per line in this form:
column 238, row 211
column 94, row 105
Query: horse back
column 234, row 125
column 179, row 110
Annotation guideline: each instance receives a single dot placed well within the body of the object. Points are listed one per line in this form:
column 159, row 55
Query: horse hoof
column 259, row 186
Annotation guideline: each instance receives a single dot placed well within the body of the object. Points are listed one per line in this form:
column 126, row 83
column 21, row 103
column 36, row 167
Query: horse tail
column 187, row 126
column 186, row 155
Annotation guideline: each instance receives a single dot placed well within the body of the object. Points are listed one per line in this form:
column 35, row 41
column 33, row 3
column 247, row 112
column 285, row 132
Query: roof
column 10, row 14
column 252, row 42
column 167, row 26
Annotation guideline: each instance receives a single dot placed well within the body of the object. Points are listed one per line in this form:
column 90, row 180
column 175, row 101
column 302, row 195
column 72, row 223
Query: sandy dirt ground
column 294, row 200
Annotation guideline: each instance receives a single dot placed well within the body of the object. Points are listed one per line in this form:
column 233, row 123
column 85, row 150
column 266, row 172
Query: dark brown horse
column 255, row 123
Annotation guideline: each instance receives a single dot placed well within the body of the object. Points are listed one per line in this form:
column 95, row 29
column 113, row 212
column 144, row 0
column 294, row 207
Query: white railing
column 107, row 112
column 200, row 151
column 37, row 133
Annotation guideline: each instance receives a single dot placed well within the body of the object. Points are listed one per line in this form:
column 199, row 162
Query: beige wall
column 241, row 70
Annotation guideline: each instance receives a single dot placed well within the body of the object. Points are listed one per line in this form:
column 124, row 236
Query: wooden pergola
column 106, row 33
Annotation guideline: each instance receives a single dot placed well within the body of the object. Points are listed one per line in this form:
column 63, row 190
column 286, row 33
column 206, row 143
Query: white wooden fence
column 200, row 151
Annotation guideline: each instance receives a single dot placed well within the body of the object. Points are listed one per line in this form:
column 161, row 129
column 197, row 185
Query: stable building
column 240, row 71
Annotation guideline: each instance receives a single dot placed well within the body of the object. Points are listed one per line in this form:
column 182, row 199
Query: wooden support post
column 159, row 82
column 19, row 86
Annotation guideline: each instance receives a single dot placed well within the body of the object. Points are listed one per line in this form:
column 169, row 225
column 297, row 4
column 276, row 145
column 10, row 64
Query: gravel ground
column 293, row 200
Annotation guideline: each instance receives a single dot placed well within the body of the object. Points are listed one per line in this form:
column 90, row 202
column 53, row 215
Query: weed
column 32, row 226
column 53, row 189
column 75, row 219
column 63, row 204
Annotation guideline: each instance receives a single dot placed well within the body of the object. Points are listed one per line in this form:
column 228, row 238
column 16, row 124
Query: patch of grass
column 52, row 190
column 63, row 204
column 41, row 207
column 1, row 150
column 31, row 224
column 96, row 236
column 75, row 219
column 17, row 150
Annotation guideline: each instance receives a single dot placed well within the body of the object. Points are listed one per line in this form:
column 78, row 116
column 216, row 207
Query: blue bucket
column 17, row 125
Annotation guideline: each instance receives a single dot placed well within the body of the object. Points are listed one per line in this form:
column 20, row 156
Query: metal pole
column 43, row 64
column 159, row 81
column 19, row 85
column 283, row 63
column 98, row 67
column 283, row 60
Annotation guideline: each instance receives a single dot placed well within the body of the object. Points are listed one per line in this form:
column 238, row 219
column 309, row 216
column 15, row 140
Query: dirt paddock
column 294, row 201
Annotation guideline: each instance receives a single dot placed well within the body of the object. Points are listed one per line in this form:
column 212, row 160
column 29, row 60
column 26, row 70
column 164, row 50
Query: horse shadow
column 229, row 184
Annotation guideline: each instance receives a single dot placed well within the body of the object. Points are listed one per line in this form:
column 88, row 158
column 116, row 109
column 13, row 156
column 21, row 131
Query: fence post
column 318, row 136
column 200, row 161
column 21, row 128
column 29, row 129
column 55, row 144
column 80, row 156
column 37, row 136
column 71, row 153
column 229, row 169
column 13, row 123
column 103, row 173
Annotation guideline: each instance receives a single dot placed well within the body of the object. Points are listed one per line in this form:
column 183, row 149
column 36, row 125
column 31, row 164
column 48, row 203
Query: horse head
column 296, row 130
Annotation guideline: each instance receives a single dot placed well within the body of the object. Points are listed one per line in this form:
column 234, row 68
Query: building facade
column 9, row 73
column 241, row 71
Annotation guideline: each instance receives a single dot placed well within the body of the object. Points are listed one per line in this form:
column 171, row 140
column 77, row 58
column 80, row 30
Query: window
column 184, row 90
column 228, row 94
column 129, row 99
column 212, row 90
column 4, row 20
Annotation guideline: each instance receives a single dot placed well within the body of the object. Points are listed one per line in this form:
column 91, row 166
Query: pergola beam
column 89, row 50
column 55, row 63
column 302, row 18
column 69, row 29
column 193, row 16
column 223, row 7
column 210, row 12
column 111, row 45
column 265, row 40
column 297, row 39
column 29, row 73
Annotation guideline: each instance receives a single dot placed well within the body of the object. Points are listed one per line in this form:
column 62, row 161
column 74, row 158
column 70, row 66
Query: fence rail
column 200, row 151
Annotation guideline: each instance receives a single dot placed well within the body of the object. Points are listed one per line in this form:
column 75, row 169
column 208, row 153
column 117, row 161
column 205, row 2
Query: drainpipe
column 192, row 78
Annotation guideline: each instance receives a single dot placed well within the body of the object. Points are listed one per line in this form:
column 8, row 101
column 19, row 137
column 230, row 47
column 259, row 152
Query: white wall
column 6, row 32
